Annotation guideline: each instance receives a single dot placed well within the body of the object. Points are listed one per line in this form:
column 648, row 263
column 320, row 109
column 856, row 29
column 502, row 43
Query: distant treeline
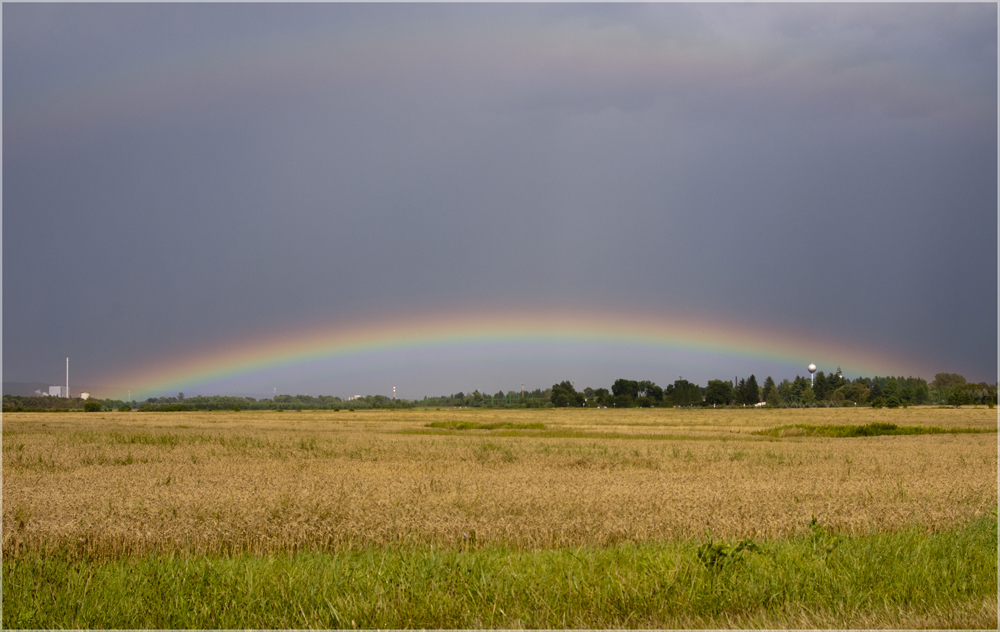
column 826, row 390
column 12, row 403
column 537, row 398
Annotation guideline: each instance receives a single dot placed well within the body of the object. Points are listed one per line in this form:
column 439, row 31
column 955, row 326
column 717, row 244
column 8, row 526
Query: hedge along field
column 109, row 490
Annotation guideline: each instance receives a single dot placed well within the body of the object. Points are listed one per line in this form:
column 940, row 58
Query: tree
column 771, row 395
column 944, row 381
column 786, row 390
column 752, row 391
column 683, row 393
column 719, row 392
column 892, row 394
column 628, row 392
column 959, row 396
column 835, row 381
column 740, row 390
column 797, row 392
column 563, row 395
column 92, row 406
column 747, row 391
column 476, row 399
column 650, row 390
column 626, row 388
column 855, row 392
column 821, row 386
column 876, row 391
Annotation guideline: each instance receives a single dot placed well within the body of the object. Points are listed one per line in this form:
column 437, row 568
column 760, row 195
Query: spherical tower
column 812, row 374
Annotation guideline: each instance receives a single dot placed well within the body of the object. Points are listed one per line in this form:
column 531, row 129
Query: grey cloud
column 255, row 167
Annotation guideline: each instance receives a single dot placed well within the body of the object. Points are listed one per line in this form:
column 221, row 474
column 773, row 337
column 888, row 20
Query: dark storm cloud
column 184, row 174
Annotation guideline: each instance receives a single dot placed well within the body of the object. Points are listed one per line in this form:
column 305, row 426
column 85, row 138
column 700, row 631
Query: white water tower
column 812, row 374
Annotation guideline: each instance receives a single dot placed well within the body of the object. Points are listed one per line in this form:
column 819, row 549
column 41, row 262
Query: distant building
column 55, row 391
column 84, row 395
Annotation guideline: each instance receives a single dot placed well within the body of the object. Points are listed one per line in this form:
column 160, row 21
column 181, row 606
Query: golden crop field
column 128, row 482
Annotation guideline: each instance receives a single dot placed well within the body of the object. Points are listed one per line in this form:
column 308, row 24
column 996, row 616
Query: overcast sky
column 176, row 175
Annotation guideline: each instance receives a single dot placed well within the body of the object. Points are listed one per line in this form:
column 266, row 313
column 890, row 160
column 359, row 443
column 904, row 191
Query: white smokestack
column 67, row 377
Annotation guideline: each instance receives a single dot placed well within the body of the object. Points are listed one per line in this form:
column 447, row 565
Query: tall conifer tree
column 752, row 391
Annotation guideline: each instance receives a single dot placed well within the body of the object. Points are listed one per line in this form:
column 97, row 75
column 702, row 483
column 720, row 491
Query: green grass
column 476, row 425
column 145, row 438
column 903, row 579
column 868, row 430
column 543, row 433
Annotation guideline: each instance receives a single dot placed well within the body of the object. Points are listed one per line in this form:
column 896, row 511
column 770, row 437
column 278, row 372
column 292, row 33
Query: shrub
column 91, row 406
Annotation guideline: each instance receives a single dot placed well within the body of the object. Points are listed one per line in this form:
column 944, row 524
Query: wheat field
column 130, row 483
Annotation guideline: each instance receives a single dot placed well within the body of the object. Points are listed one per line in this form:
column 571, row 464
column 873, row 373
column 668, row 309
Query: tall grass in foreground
column 904, row 579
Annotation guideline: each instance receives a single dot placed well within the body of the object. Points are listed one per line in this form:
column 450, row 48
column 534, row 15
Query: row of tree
column 214, row 402
column 537, row 398
column 824, row 390
column 628, row 393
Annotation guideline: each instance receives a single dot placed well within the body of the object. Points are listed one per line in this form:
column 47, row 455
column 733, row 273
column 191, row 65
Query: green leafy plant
column 718, row 555
column 821, row 538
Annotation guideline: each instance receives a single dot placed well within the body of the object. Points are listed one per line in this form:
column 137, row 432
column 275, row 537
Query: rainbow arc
column 493, row 330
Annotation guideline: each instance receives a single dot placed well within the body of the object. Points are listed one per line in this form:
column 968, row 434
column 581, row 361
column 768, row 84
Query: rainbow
column 485, row 331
